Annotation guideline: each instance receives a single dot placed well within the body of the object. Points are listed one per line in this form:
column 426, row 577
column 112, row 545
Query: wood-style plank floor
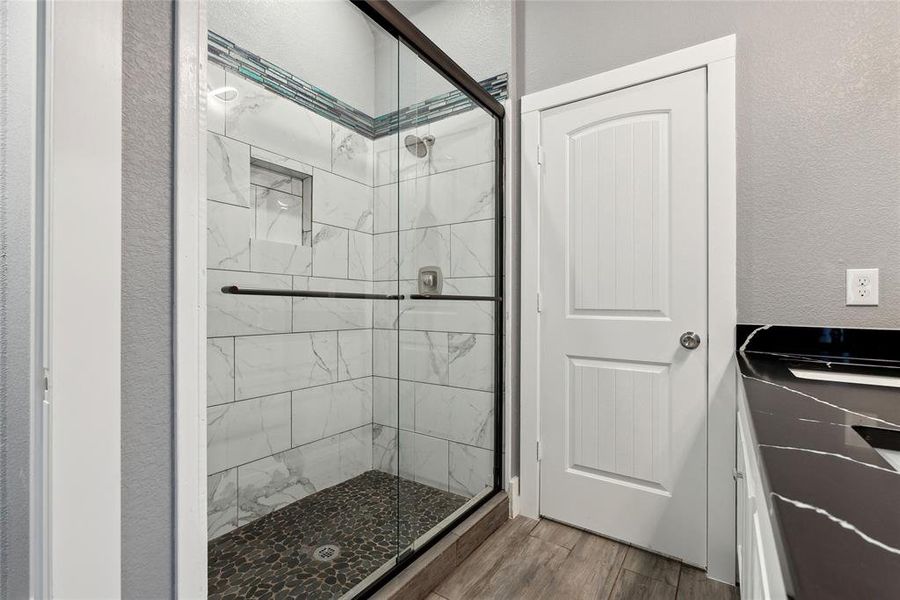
column 528, row 559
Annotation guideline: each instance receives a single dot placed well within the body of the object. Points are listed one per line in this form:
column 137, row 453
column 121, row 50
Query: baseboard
column 513, row 491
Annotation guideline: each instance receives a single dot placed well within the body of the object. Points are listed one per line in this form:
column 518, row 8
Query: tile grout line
column 292, row 303
column 328, row 437
column 413, row 178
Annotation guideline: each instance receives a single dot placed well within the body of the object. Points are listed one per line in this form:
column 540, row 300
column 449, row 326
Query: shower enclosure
column 354, row 307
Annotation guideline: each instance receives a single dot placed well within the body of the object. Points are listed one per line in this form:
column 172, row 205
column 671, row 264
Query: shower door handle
column 454, row 297
column 237, row 290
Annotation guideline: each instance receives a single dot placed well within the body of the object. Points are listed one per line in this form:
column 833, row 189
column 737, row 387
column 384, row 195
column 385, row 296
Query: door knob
column 690, row 340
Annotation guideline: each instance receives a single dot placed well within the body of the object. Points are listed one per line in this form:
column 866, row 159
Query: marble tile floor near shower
column 275, row 556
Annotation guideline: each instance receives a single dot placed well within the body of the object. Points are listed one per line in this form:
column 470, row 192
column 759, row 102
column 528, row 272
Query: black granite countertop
column 834, row 498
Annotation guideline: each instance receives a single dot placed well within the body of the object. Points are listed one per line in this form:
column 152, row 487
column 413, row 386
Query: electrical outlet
column 862, row 287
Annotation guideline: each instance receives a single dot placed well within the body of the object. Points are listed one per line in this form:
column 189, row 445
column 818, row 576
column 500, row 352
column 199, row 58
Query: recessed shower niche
column 277, row 206
column 284, row 200
column 351, row 418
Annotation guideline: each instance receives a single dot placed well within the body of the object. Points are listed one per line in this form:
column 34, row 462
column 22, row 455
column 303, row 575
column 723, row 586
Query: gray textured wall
column 147, row 301
column 18, row 29
column 818, row 133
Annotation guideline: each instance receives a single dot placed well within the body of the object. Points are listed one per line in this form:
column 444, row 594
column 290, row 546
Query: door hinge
column 539, row 302
column 538, row 451
column 540, row 154
column 46, row 385
column 735, row 474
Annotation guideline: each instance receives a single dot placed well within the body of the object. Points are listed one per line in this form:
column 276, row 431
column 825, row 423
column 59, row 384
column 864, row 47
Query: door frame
column 190, row 300
column 77, row 530
column 718, row 57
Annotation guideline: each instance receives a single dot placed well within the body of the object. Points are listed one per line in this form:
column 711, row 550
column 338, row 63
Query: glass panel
column 351, row 198
column 301, row 391
column 445, row 247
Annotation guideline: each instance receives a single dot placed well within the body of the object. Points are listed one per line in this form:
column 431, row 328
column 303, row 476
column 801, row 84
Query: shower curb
column 418, row 580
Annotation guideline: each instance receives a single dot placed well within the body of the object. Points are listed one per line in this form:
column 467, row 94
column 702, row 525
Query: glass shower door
column 446, row 249
column 302, row 468
column 352, row 296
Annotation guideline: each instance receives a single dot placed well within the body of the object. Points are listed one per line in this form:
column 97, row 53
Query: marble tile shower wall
column 303, row 393
column 437, row 210
column 289, row 379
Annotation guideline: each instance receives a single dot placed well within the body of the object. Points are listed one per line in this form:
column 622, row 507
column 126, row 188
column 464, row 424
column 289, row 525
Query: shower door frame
column 190, row 280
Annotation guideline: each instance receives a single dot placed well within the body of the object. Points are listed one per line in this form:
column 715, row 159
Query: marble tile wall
column 433, row 403
column 289, row 380
column 304, row 393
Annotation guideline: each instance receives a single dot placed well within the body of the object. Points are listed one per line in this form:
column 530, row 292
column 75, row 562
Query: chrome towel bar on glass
column 453, row 297
column 234, row 289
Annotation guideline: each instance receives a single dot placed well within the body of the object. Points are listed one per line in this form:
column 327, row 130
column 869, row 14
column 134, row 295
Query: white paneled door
column 623, row 277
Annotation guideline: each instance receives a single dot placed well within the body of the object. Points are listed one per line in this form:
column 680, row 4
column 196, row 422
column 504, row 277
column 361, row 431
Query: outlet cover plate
column 862, row 287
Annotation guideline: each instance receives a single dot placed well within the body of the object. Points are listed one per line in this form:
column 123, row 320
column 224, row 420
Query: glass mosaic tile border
column 438, row 107
column 230, row 56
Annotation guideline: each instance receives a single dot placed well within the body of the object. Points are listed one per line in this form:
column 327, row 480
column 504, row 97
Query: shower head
column 418, row 146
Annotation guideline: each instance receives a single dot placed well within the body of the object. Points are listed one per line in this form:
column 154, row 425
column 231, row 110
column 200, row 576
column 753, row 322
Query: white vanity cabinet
column 759, row 571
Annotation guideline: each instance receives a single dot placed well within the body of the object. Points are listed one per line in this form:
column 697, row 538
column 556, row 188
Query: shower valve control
column 431, row 281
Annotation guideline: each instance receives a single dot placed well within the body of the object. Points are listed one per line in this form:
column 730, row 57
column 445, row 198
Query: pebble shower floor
column 281, row 555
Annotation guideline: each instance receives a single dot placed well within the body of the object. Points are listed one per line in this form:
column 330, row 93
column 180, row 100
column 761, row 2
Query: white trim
column 190, row 300
column 529, row 277
column 721, row 317
column 765, row 578
column 84, row 296
column 718, row 57
column 629, row 75
column 507, row 316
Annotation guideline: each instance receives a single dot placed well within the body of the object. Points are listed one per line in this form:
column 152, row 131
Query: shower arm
column 240, row 291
